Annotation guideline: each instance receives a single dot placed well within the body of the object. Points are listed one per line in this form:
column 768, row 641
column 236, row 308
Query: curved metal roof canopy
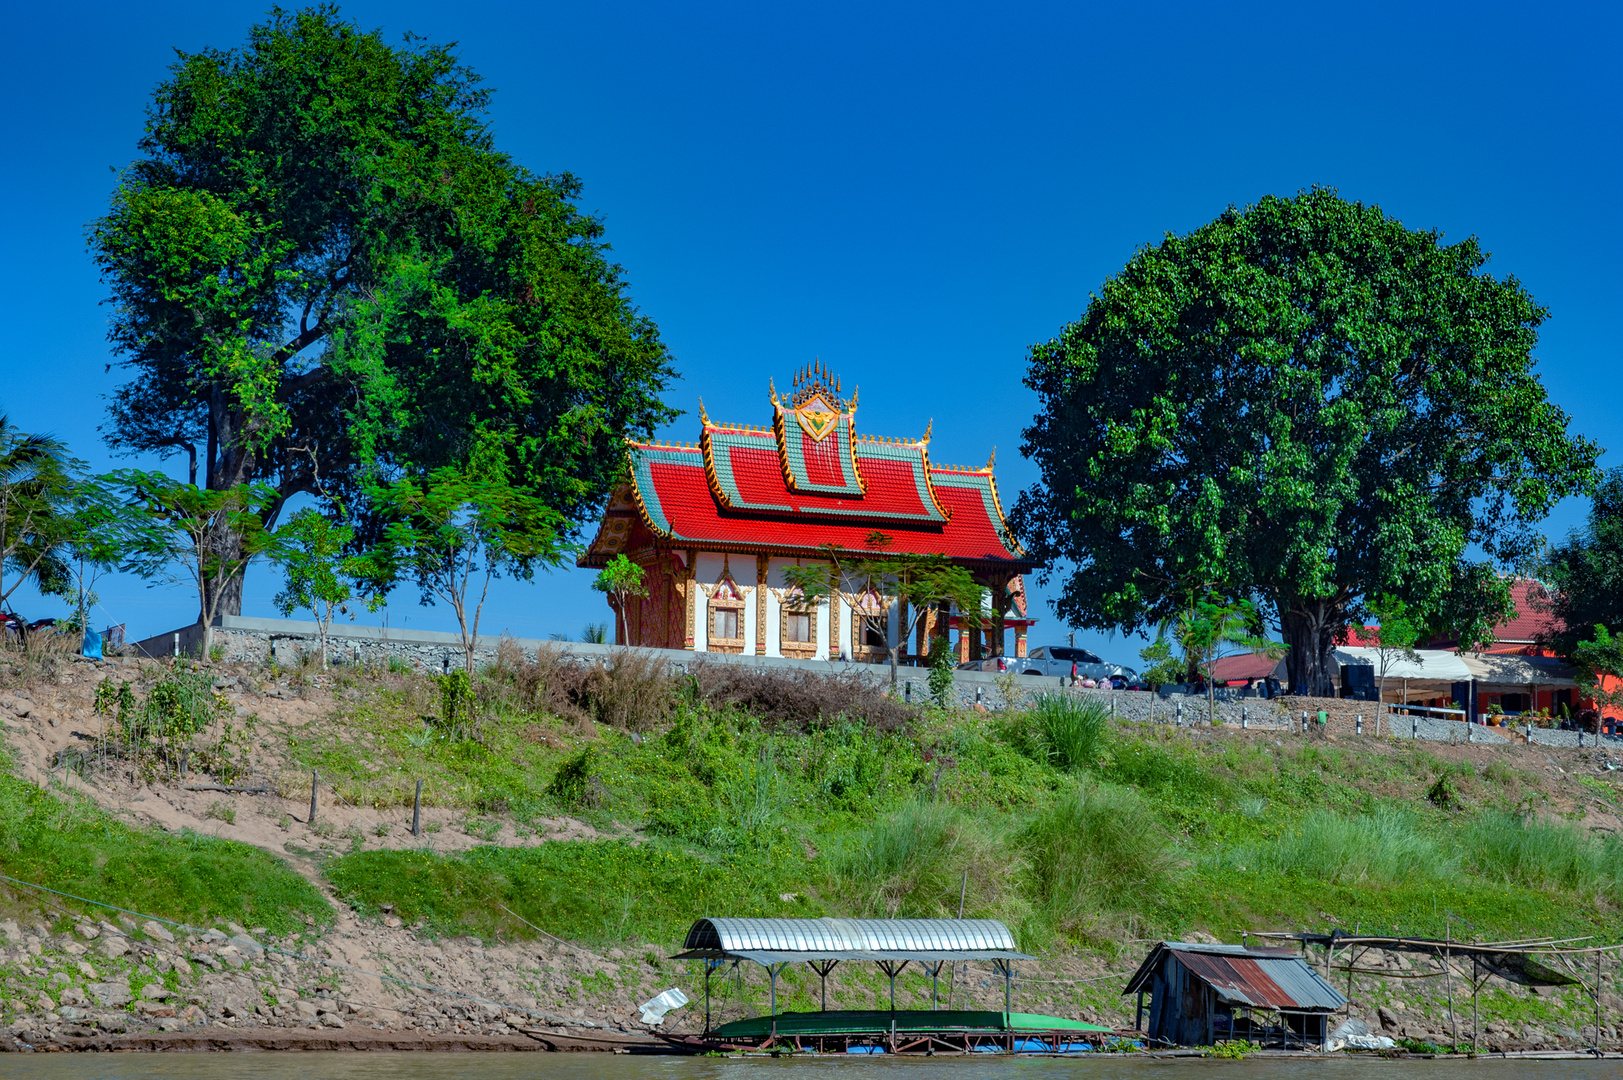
column 776, row 941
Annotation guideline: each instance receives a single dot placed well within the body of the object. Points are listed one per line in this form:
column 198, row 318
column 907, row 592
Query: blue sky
column 914, row 193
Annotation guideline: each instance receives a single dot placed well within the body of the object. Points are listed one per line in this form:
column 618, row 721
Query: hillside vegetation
column 768, row 799
column 732, row 791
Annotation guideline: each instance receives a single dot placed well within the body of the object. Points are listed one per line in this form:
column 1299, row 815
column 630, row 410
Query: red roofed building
column 714, row 524
column 1528, row 631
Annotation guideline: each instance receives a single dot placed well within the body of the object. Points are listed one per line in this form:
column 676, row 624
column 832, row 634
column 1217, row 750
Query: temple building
column 714, row 524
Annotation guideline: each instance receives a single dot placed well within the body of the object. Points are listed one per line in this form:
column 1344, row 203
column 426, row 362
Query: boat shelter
column 1201, row 993
column 821, row 944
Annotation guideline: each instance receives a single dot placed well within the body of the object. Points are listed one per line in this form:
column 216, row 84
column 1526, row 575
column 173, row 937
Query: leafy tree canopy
column 1587, row 569
column 1305, row 403
column 324, row 272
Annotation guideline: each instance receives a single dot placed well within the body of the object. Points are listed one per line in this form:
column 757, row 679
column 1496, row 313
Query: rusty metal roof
column 1260, row 978
column 770, row 941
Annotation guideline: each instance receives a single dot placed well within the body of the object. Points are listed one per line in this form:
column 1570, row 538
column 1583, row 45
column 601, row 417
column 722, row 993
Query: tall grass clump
column 1384, row 847
column 1521, row 850
column 1096, row 853
column 913, row 864
column 1070, row 731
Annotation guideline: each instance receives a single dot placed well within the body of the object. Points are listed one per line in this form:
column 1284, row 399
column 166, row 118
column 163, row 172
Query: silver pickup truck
column 1055, row 661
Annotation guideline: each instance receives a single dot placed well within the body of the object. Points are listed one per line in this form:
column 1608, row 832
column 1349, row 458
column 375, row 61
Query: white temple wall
column 774, row 621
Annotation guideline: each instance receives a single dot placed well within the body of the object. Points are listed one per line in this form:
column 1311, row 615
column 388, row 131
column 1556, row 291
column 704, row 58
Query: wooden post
column 315, row 785
column 1597, row 1001
column 417, row 816
column 1476, row 1012
column 1448, row 977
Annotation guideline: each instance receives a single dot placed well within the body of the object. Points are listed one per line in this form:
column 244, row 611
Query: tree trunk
column 1309, row 629
column 224, row 547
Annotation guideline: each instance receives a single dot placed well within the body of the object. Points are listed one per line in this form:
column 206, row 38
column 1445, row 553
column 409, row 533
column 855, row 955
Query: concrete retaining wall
column 245, row 639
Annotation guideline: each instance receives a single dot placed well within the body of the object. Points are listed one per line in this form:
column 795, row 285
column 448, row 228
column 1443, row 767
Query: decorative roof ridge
column 780, row 430
column 929, row 485
column 888, row 440
column 1003, row 522
column 737, row 429
column 982, row 470
column 660, row 444
column 642, row 507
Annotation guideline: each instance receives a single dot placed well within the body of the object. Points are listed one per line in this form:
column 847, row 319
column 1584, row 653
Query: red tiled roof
column 1521, row 633
column 747, row 473
column 1241, row 667
column 1533, row 618
column 807, row 482
column 678, row 504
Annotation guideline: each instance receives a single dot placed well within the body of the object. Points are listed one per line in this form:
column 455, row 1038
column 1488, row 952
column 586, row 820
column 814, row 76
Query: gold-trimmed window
column 797, row 625
column 725, row 632
column 870, row 625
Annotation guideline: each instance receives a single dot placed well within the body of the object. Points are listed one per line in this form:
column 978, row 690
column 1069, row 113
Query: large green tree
column 1304, row 403
column 325, row 275
column 1586, row 570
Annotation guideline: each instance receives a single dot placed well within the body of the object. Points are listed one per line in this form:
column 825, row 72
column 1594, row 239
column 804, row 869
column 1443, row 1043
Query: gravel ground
column 1455, row 731
column 1554, row 737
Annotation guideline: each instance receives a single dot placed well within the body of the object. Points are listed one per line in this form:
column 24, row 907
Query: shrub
column 576, row 785
column 913, row 864
column 798, row 701
column 1070, row 731
column 1096, row 852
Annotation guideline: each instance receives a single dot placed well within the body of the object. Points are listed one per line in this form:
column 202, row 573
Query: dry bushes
column 632, row 691
column 798, row 701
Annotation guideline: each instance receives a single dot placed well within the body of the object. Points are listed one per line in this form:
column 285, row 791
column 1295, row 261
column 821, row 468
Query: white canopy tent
column 1438, row 672
column 1495, row 671
column 1431, row 665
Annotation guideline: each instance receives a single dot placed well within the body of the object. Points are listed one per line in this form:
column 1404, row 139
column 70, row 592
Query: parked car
column 1056, row 661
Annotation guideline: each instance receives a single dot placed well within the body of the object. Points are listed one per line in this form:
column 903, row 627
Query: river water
column 488, row 1066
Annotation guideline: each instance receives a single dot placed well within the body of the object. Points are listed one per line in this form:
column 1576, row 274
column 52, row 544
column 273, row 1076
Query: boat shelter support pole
column 935, row 985
column 1138, row 1021
column 823, row 967
column 892, row 969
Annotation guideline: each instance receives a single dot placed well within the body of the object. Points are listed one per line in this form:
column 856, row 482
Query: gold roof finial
column 990, row 460
column 927, row 429
column 704, row 417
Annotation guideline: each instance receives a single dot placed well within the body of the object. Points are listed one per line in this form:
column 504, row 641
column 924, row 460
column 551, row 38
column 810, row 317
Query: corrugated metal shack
column 1200, row 994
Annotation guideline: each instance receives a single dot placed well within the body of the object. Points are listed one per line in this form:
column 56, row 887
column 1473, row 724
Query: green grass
column 62, row 841
column 1070, row 827
column 602, row 892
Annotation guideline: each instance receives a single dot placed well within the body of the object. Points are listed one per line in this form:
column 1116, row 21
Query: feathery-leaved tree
column 36, row 485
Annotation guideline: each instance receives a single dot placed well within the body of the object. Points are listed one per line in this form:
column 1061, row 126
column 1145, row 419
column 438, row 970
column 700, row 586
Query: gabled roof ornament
column 990, row 460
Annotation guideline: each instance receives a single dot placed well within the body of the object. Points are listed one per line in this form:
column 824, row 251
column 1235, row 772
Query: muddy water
column 382, row 1066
